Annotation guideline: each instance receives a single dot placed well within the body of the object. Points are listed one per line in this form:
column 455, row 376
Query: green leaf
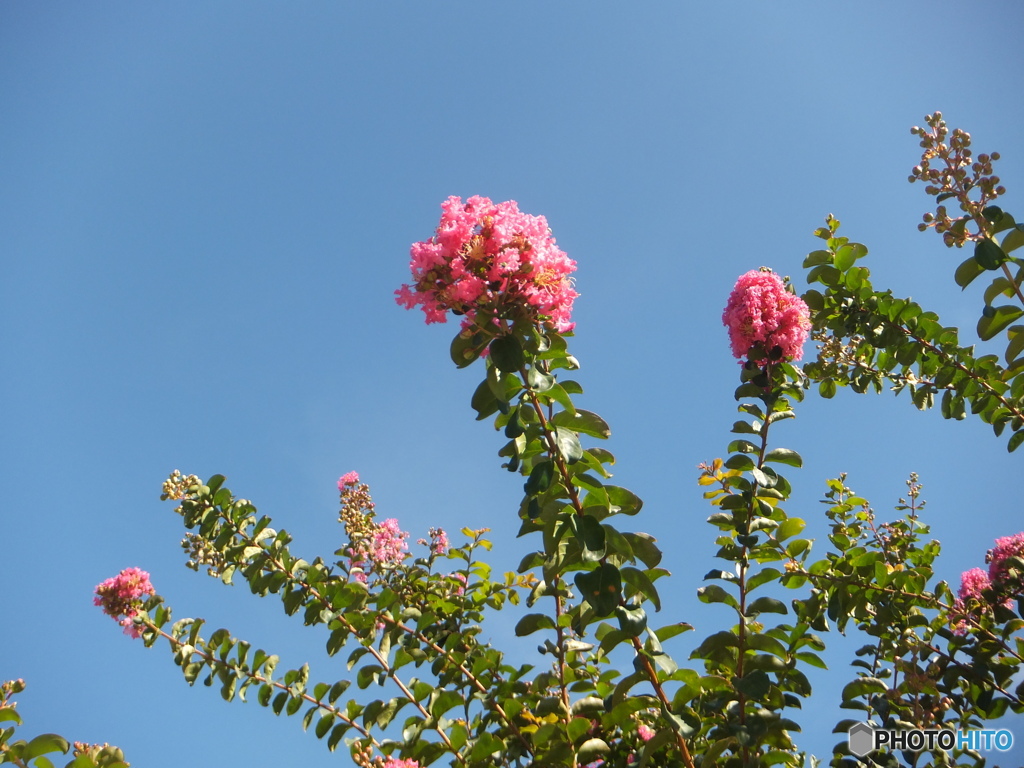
column 740, row 461
column 601, row 587
column 817, row 258
column 848, row 254
column 999, row 286
column 827, row 388
column 863, row 686
column 591, row 750
column 560, row 395
column 568, row 444
column 337, row 734
column 591, row 535
column 754, row 684
column 713, row 593
column 538, row 380
column 1014, row 239
column 483, row 401
column 541, row 477
column 641, row 583
column 643, row 547
column 992, row 322
column 507, row 354
column 1015, row 440
column 1016, row 345
column 44, row 744
column 784, row 456
column 766, row 605
column 584, row 422
column 623, row 500
column 789, row 527
column 323, row 725
column 762, row 577
column 532, row 622
column 465, row 349
column 988, row 253
column 632, row 621
column 967, row 272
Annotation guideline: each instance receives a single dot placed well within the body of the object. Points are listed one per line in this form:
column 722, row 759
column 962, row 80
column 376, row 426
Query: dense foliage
column 604, row 688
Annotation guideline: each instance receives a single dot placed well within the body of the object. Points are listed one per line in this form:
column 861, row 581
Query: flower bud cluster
column 99, row 754
column 7, row 689
column 176, row 487
column 950, row 170
column 492, row 264
column 200, row 551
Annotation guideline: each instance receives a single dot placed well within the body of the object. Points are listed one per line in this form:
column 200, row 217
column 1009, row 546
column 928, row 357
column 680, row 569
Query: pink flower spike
column 394, row 762
column 760, row 310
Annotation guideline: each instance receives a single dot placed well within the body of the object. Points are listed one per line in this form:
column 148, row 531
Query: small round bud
column 922, row 227
column 928, row 218
column 995, row 155
column 1000, row 190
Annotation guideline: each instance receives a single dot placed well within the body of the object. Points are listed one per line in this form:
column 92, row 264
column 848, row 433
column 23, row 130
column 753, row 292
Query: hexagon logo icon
column 861, row 738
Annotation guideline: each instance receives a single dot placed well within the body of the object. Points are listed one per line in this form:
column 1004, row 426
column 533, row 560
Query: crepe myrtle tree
column 420, row 685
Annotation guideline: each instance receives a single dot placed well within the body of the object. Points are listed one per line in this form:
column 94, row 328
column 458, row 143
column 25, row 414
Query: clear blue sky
column 206, row 207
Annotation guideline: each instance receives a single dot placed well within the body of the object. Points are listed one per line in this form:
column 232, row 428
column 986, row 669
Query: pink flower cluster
column 385, row 547
column 438, row 541
column 1005, row 548
column 394, row 762
column 645, row 732
column 976, row 581
column 349, row 478
column 122, row 596
column 490, row 260
column 762, row 311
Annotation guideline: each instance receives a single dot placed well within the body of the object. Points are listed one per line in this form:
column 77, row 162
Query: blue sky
column 205, row 210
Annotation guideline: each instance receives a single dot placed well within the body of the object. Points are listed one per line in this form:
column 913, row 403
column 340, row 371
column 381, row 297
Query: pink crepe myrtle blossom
column 490, row 262
column 349, row 478
column 387, row 546
column 121, row 596
column 460, row 579
column 379, row 548
column 645, row 732
column 393, row 762
column 972, row 584
column 761, row 310
column 970, row 599
column 999, row 569
column 438, row 541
